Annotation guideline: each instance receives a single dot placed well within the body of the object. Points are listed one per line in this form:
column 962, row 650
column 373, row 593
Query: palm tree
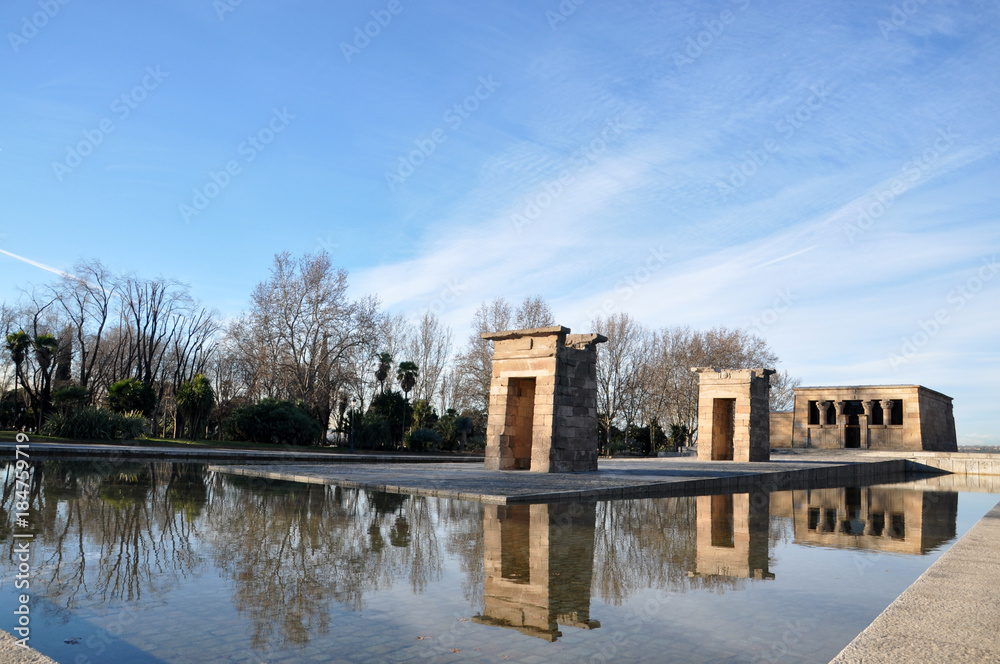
column 195, row 401
column 406, row 374
column 45, row 346
column 384, row 365
column 18, row 344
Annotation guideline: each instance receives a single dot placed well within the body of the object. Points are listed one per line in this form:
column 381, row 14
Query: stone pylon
column 733, row 414
column 543, row 401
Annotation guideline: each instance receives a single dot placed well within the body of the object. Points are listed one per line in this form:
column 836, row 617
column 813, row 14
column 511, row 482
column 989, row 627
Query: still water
column 165, row 562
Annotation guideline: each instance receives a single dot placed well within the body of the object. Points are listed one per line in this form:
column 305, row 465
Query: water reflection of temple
column 733, row 532
column 539, row 562
column 879, row 518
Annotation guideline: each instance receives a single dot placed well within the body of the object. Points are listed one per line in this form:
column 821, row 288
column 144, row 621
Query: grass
column 170, row 443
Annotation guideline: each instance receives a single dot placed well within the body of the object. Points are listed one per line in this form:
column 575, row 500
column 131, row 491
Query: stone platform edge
column 819, row 477
column 949, row 614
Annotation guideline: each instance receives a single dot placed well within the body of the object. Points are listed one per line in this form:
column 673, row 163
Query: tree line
column 116, row 352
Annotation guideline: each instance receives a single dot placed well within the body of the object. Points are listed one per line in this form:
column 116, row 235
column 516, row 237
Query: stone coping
column 616, row 479
column 11, row 653
column 949, row 614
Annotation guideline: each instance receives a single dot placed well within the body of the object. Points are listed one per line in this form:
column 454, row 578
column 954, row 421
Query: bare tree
column 534, row 312
column 782, row 394
column 87, row 298
column 620, row 365
column 429, row 348
column 673, row 388
column 475, row 364
column 302, row 328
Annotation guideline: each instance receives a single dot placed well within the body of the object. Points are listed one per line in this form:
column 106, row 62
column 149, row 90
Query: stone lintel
column 582, row 341
column 528, row 332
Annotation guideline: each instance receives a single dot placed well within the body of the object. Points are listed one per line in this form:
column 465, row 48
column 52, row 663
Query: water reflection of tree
column 291, row 550
column 465, row 541
column 652, row 543
column 105, row 531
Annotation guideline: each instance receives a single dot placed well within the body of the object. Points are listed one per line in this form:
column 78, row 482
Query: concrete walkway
column 615, row 479
column 950, row 614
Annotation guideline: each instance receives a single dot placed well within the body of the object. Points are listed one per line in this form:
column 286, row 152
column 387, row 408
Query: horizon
column 822, row 176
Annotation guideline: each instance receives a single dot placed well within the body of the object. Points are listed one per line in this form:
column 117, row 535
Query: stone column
column 886, row 412
column 866, row 436
column 822, row 406
column 841, row 422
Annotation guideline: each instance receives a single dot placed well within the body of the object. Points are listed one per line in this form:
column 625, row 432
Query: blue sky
column 825, row 173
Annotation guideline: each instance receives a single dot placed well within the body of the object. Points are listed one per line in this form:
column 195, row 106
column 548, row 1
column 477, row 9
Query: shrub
column 95, row 424
column 372, row 432
column 131, row 394
column 272, row 421
column 420, row 440
column 70, row 397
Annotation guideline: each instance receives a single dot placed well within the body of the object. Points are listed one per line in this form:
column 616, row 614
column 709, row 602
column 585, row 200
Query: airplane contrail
column 43, row 266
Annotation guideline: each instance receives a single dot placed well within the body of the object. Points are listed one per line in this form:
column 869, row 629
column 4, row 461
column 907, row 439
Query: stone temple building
column 877, row 417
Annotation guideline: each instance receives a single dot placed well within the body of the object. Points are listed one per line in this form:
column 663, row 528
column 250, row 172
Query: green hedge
column 272, row 421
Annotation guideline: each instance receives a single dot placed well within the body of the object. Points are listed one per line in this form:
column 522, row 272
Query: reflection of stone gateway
column 733, row 536
column 539, row 562
column 543, row 401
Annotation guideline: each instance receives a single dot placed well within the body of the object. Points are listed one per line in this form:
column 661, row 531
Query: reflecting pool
column 167, row 562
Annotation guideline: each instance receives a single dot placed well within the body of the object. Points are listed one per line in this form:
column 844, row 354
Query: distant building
column 877, row 417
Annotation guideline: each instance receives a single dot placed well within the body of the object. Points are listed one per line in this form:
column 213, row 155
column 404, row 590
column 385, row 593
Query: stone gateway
column 733, row 423
column 543, row 401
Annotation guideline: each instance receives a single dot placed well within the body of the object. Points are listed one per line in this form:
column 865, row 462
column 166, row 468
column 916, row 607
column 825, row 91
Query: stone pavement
column 950, row 614
column 11, row 653
column 615, row 479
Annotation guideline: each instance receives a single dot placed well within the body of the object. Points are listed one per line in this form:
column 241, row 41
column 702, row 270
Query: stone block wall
column 781, row 428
